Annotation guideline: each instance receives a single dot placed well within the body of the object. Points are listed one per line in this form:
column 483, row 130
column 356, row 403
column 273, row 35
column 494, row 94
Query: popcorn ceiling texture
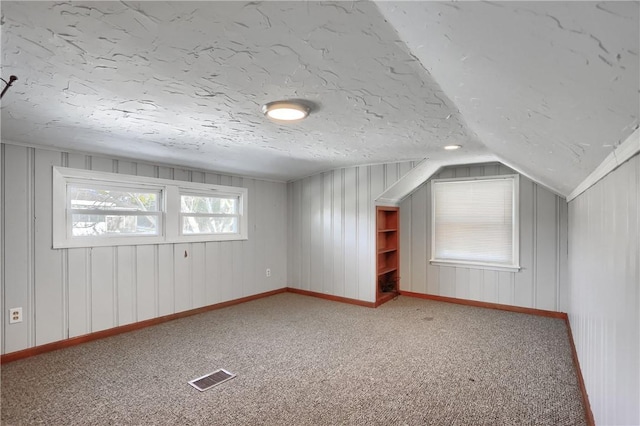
column 184, row 82
column 548, row 88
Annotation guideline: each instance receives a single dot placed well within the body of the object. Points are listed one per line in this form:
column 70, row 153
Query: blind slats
column 473, row 221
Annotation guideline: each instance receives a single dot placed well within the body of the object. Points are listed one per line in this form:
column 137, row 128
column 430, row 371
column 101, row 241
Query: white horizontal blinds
column 474, row 221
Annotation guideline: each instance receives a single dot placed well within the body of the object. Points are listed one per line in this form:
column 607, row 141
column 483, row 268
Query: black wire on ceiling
column 7, row 84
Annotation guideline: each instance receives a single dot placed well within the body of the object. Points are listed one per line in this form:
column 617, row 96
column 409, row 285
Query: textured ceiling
column 550, row 88
column 183, row 82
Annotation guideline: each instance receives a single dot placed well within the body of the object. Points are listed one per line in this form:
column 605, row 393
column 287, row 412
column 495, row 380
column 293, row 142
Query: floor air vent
column 212, row 379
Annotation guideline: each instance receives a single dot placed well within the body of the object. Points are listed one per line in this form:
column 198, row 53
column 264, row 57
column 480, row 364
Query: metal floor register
column 212, row 379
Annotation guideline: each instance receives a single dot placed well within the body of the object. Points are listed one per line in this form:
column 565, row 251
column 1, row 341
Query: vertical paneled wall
column 331, row 241
column 71, row 292
column 604, row 293
column 543, row 249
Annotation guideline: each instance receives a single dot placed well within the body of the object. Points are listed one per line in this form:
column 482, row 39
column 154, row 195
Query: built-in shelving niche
column 388, row 254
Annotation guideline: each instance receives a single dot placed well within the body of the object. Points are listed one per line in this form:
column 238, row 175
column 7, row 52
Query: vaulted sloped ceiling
column 549, row 88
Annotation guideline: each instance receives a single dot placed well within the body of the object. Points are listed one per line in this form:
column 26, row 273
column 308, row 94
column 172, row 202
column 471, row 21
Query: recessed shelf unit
column 388, row 253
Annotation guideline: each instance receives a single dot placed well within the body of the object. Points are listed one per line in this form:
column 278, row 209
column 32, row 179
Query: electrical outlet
column 15, row 315
column 268, row 272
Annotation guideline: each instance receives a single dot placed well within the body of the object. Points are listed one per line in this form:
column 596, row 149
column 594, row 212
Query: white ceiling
column 550, row 88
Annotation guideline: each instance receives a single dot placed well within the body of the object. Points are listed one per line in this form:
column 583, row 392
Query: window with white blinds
column 475, row 222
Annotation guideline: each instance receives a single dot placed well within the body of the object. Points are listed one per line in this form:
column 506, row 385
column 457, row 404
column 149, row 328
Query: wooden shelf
column 387, row 270
column 387, row 248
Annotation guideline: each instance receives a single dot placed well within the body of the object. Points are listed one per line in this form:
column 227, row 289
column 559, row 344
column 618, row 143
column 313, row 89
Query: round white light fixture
column 452, row 147
column 285, row 110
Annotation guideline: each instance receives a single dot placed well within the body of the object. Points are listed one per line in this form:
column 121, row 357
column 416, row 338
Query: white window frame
column 515, row 266
column 170, row 229
column 216, row 194
column 102, row 212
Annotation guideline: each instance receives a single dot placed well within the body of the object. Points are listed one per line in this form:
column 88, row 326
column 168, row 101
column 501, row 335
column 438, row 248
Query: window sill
column 169, row 196
column 475, row 265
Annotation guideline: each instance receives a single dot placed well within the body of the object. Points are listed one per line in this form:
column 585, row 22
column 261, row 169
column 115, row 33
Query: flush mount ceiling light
column 452, row 147
column 285, row 110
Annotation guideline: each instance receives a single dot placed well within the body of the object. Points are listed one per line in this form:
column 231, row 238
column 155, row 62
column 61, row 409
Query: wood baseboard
column 385, row 297
column 14, row 356
column 479, row 304
column 25, row 353
column 583, row 389
column 332, row 298
column 73, row 341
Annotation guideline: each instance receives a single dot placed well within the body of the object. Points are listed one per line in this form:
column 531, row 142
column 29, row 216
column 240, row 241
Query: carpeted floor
column 307, row 361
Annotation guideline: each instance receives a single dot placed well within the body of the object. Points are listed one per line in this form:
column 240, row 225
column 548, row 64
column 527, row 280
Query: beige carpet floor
column 306, row 361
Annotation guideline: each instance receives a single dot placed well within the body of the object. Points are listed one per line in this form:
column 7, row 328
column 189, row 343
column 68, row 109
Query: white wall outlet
column 268, row 272
column 15, row 315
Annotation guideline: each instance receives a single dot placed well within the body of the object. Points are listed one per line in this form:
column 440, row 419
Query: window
column 202, row 214
column 106, row 209
column 95, row 210
column 475, row 222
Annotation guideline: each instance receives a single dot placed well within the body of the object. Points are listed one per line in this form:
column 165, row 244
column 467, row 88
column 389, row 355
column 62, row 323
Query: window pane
column 212, row 205
column 474, row 221
column 209, row 225
column 99, row 224
column 109, row 199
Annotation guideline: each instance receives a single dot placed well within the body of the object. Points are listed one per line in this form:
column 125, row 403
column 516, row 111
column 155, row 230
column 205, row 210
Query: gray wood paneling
column 166, row 300
column 536, row 285
column 305, row 232
column 476, row 282
column 70, row 292
column 198, row 278
column 364, row 207
column 294, row 233
column 250, row 277
column 603, row 292
column 327, row 233
column 463, row 285
column 337, row 240
column 418, row 270
column 447, row 276
column 523, row 290
column 126, row 285
column 546, row 249
column 18, row 288
column 78, row 273
column 49, row 285
column 146, row 269
column 182, row 295
column 490, row 286
column 405, row 245
column 350, row 233
column 316, row 267
column 102, row 289
column 331, row 236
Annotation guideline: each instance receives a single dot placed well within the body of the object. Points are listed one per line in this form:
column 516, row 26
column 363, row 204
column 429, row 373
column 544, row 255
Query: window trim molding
column 515, row 266
column 170, row 208
column 191, row 192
